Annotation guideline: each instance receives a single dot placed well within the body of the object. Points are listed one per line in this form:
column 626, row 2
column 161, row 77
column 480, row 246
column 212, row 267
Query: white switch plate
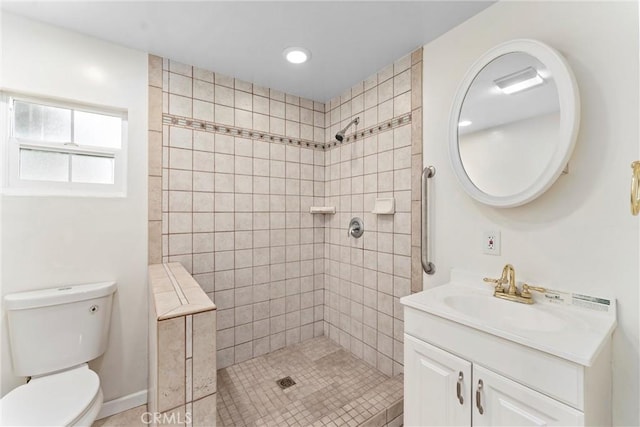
column 491, row 242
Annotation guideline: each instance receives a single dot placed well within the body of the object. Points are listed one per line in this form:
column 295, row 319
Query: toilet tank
column 55, row 329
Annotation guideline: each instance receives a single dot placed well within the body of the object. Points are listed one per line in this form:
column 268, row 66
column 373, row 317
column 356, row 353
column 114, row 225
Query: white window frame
column 11, row 146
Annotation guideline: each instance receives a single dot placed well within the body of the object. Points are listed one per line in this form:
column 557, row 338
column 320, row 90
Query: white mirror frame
column 569, row 100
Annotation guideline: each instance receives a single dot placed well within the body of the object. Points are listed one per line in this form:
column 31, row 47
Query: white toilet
column 53, row 334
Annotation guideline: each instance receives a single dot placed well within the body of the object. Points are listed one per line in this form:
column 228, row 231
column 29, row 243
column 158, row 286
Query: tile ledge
column 180, row 280
column 185, row 310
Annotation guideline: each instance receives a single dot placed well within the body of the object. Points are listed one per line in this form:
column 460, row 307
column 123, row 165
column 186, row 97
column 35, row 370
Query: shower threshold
column 332, row 388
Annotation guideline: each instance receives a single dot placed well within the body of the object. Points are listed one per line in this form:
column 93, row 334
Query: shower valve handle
column 356, row 228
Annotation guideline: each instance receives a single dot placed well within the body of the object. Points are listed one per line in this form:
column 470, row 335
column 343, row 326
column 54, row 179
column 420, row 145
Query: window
column 64, row 149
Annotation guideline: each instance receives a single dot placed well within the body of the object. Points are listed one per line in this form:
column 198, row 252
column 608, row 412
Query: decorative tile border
column 184, row 122
column 172, row 120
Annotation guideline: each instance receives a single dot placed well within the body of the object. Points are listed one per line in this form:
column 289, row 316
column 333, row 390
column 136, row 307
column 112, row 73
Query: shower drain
column 285, row 382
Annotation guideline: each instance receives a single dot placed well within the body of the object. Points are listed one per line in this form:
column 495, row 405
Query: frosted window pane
column 44, row 166
column 97, row 130
column 42, row 123
column 92, row 169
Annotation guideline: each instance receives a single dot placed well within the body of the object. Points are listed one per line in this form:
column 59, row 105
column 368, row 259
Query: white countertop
column 573, row 333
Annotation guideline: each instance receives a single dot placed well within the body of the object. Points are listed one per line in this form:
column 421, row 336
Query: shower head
column 340, row 135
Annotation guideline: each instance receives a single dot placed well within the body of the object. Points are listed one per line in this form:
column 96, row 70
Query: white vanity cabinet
column 437, row 386
column 507, row 403
column 442, row 389
column 463, row 371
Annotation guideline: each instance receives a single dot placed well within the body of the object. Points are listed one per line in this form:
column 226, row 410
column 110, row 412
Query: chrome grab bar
column 427, row 265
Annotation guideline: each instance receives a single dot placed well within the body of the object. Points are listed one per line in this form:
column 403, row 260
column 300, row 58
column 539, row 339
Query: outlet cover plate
column 491, row 242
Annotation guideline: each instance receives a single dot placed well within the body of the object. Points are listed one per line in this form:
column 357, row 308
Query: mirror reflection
column 509, row 124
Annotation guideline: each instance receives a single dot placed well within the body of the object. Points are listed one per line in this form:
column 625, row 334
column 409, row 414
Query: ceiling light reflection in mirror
column 519, row 81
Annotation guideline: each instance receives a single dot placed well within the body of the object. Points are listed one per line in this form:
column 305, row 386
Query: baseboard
column 123, row 403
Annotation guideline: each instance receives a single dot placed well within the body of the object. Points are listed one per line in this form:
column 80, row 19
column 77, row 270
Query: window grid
column 86, row 173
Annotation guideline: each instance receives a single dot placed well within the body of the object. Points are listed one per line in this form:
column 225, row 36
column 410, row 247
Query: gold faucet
column 512, row 294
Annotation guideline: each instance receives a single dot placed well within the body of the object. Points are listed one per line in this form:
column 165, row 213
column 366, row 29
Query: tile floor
column 332, row 388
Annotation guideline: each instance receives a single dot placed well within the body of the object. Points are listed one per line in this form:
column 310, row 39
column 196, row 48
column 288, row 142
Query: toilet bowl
column 68, row 398
column 53, row 333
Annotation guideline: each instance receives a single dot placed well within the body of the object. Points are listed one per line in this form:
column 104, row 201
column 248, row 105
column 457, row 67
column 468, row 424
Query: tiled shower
column 233, row 171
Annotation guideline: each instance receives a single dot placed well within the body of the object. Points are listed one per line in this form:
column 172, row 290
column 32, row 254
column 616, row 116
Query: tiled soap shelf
column 384, row 206
column 322, row 210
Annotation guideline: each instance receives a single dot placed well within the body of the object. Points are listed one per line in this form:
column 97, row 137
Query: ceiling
column 349, row 40
column 486, row 106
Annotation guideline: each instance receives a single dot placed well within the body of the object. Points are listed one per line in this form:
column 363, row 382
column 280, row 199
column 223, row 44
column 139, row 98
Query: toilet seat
column 58, row 399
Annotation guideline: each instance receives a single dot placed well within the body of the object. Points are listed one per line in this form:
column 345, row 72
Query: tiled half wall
column 233, row 170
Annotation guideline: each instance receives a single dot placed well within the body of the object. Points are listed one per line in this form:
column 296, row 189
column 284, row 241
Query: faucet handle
column 498, row 283
column 526, row 290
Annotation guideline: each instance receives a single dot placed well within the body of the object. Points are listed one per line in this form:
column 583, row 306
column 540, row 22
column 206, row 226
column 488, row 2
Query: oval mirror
column 514, row 123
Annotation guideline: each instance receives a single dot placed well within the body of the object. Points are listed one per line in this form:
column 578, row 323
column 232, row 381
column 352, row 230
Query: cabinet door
column 437, row 386
column 507, row 403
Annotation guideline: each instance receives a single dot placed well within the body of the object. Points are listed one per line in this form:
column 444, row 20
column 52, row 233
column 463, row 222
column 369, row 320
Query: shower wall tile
column 416, row 169
column 171, row 366
column 234, row 209
column 155, row 160
column 204, row 411
column 366, row 277
column 204, row 359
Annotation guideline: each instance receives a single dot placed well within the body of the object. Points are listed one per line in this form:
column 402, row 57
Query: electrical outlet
column 491, row 242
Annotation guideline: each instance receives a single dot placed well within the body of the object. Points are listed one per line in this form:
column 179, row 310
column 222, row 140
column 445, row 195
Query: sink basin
column 566, row 326
column 493, row 310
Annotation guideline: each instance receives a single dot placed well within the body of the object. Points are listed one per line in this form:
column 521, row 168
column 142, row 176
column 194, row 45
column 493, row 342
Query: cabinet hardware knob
column 478, row 402
column 635, row 188
column 459, row 388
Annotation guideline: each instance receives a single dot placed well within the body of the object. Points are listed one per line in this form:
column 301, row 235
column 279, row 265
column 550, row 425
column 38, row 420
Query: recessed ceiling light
column 296, row 55
column 519, row 81
column 464, row 123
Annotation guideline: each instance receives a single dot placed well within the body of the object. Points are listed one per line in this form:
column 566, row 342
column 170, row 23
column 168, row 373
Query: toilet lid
column 56, row 399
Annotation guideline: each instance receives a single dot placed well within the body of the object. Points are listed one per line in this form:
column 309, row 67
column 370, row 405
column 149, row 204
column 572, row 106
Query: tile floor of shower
column 333, row 388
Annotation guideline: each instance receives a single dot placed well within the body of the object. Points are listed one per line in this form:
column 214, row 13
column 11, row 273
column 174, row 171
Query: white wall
column 579, row 235
column 48, row 241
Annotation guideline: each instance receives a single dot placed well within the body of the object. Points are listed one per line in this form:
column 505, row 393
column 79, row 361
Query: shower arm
column 353, row 122
column 340, row 135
